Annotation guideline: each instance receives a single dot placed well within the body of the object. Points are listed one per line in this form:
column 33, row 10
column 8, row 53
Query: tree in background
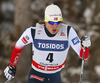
column 22, row 20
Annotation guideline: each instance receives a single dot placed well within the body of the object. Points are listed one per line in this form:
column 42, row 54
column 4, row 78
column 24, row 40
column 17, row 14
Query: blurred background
column 83, row 15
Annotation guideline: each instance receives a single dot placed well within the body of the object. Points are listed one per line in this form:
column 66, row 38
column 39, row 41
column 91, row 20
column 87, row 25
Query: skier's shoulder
column 39, row 26
column 30, row 28
column 65, row 25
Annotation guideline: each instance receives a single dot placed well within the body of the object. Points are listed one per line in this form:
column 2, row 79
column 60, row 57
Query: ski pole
column 7, row 81
column 81, row 75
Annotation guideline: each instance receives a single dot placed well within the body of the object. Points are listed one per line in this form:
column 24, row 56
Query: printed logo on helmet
column 55, row 15
column 55, row 18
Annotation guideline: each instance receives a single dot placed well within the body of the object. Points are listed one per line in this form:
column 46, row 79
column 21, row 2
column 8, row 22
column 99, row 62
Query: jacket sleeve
column 75, row 43
column 25, row 39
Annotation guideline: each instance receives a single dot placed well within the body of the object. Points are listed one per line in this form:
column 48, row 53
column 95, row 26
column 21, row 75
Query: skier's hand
column 10, row 72
column 85, row 42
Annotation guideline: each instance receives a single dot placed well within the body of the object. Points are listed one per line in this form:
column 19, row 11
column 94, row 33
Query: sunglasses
column 52, row 23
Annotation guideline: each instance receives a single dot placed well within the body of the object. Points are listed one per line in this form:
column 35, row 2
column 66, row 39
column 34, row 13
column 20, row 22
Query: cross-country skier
column 51, row 40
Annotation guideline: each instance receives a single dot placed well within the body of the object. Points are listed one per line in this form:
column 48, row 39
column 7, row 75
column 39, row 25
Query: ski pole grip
column 82, row 39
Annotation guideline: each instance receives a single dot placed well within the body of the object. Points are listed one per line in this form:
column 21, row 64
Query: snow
column 74, row 71
column 93, row 33
column 88, row 15
column 7, row 9
column 64, row 79
column 97, row 70
column 78, row 2
column 97, row 18
column 82, row 32
column 37, row 5
column 7, row 6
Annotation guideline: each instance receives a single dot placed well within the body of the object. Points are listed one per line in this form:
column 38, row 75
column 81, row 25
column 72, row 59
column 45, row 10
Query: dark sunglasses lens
column 52, row 23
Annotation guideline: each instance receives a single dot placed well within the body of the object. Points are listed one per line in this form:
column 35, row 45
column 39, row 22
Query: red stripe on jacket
column 15, row 55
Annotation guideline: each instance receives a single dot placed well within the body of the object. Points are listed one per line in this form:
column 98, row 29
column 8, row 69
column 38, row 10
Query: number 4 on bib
column 50, row 57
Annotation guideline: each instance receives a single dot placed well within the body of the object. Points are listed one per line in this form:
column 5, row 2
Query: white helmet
column 53, row 13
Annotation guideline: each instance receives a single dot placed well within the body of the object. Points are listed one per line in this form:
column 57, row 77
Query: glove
column 10, row 72
column 85, row 42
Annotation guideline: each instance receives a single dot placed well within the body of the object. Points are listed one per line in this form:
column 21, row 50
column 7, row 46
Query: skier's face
column 53, row 29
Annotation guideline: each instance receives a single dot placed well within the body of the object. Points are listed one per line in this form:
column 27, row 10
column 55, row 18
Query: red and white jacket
column 49, row 52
